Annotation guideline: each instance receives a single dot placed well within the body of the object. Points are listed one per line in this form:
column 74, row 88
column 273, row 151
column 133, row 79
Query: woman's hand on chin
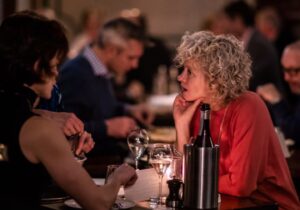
column 183, row 110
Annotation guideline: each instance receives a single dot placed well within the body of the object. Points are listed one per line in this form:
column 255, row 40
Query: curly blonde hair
column 226, row 66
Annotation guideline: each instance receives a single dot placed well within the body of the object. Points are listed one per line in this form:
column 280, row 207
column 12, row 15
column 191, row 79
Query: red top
column 252, row 163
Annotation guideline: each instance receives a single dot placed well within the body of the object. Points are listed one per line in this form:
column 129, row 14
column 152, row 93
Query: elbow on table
column 238, row 190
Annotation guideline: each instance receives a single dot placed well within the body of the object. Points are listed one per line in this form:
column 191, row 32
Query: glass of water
column 161, row 157
column 138, row 140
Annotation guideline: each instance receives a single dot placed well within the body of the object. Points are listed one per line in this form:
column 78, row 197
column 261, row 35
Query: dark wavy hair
column 26, row 39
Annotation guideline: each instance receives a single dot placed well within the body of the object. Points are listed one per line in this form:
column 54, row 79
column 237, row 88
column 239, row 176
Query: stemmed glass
column 138, row 140
column 160, row 158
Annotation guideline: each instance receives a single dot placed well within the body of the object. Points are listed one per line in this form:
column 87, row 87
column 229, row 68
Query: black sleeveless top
column 21, row 182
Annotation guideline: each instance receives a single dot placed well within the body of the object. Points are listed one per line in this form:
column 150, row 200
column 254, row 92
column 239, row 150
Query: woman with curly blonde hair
column 216, row 70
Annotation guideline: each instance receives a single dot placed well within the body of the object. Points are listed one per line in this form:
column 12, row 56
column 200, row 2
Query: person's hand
column 119, row 127
column 183, row 110
column 68, row 122
column 125, row 174
column 136, row 90
column 142, row 114
column 269, row 93
column 85, row 144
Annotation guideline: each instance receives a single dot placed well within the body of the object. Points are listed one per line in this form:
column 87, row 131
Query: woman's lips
column 183, row 89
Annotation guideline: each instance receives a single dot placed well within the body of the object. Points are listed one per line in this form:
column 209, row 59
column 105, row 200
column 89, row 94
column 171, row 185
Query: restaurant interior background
column 167, row 19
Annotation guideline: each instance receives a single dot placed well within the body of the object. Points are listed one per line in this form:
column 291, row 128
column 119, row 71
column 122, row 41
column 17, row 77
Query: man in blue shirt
column 85, row 82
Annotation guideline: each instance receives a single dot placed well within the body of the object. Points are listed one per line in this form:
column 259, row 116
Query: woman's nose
column 180, row 77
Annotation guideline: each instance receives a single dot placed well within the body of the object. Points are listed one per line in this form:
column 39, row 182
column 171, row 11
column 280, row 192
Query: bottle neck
column 204, row 121
column 204, row 139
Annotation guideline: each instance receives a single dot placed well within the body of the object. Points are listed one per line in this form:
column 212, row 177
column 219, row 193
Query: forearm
column 183, row 136
column 230, row 187
column 91, row 196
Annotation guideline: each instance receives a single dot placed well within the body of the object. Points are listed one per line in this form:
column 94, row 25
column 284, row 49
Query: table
column 162, row 134
column 227, row 202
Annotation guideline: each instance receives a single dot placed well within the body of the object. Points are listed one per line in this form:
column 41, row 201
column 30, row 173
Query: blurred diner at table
column 31, row 47
column 141, row 81
column 287, row 112
column 86, row 87
column 269, row 23
column 265, row 62
column 216, row 70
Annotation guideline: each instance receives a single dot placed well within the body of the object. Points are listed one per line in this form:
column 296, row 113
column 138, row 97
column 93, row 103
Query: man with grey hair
column 85, row 82
column 287, row 116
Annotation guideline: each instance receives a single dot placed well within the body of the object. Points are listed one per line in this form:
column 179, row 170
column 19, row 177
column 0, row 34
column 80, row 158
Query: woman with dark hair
column 31, row 47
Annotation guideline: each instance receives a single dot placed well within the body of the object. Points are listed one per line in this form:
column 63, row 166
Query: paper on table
column 146, row 186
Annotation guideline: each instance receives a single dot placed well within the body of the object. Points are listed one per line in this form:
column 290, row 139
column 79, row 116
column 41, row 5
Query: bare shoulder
column 39, row 126
column 39, row 134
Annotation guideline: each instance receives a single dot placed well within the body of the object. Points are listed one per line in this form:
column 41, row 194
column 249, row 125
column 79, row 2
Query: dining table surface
column 227, row 202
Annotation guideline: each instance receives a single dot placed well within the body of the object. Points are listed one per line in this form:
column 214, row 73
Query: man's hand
column 119, row 127
column 269, row 93
column 142, row 114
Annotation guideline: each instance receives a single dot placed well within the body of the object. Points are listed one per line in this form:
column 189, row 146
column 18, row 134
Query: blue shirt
column 54, row 104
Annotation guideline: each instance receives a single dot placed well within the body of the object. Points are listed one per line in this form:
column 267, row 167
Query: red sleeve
column 249, row 124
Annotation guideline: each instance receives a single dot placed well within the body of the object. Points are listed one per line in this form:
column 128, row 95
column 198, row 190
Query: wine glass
column 138, row 140
column 160, row 158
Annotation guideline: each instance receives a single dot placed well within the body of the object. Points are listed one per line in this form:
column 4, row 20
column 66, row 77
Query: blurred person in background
column 139, row 82
column 287, row 112
column 86, row 86
column 216, row 71
column 91, row 21
column 265, row 66
column 215, row 23
column 31, row 48
column 270, row 24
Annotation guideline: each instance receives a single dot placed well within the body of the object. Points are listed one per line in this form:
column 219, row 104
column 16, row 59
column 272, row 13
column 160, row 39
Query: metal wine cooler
column 201, row 175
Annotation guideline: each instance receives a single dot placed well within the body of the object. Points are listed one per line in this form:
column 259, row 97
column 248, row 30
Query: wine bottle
column 203, row 138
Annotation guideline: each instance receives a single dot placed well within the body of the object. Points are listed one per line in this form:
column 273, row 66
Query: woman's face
column 193, row 83
column 44, row 90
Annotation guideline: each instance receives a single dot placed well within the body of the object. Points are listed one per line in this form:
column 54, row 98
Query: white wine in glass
column 160, row 158
column 138, row 140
